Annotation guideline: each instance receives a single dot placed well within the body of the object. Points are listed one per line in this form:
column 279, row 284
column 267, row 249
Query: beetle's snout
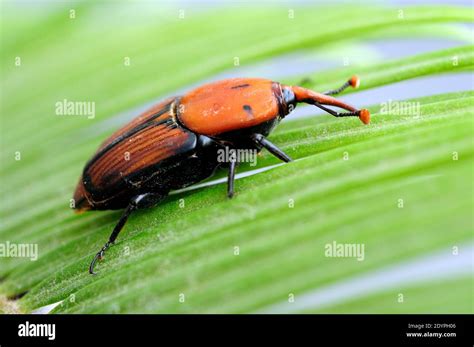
column 322, row 100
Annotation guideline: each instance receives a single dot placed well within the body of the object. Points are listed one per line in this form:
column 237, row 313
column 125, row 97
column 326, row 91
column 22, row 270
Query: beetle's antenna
column 363, row 114
column 353, row 82
column 317, row 99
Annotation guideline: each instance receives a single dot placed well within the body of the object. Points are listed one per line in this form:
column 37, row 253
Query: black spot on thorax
column 240, row 86
column 248, row 110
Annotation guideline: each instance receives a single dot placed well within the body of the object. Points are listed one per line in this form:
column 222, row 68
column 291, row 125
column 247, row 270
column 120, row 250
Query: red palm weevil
column 174, row 144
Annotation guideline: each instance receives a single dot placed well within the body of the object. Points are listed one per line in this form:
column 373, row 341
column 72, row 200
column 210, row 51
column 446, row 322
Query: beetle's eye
column 289, row 99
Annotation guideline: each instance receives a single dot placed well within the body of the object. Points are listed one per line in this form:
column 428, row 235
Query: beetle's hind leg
column 138, row 202
column 259, row 139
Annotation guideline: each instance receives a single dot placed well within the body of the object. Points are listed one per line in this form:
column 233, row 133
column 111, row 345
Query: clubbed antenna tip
column 354, row 81
column 364, row 116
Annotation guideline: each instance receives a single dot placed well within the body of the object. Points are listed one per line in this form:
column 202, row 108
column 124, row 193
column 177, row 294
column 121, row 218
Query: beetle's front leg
column 273, row 149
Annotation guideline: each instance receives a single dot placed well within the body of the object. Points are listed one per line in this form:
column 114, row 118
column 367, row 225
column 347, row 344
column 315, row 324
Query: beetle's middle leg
column 259, row 139
column 138, row 202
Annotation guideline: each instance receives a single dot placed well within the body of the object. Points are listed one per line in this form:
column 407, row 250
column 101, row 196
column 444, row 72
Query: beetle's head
column 291, row 95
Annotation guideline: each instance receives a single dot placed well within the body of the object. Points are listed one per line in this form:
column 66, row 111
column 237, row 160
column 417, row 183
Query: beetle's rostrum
column 175, row 143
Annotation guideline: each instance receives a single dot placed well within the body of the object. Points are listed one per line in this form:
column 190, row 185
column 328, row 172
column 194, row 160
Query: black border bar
column 91, row 330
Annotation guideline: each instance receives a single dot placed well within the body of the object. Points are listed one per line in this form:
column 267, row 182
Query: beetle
column 174, row 144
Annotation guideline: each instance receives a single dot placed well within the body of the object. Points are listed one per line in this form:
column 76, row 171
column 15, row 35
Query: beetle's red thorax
column 228, row 105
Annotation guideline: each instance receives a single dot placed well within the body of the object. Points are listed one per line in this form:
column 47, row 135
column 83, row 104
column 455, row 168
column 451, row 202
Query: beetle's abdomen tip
column 81, row 204
column 80, row 211
column 364, row 116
